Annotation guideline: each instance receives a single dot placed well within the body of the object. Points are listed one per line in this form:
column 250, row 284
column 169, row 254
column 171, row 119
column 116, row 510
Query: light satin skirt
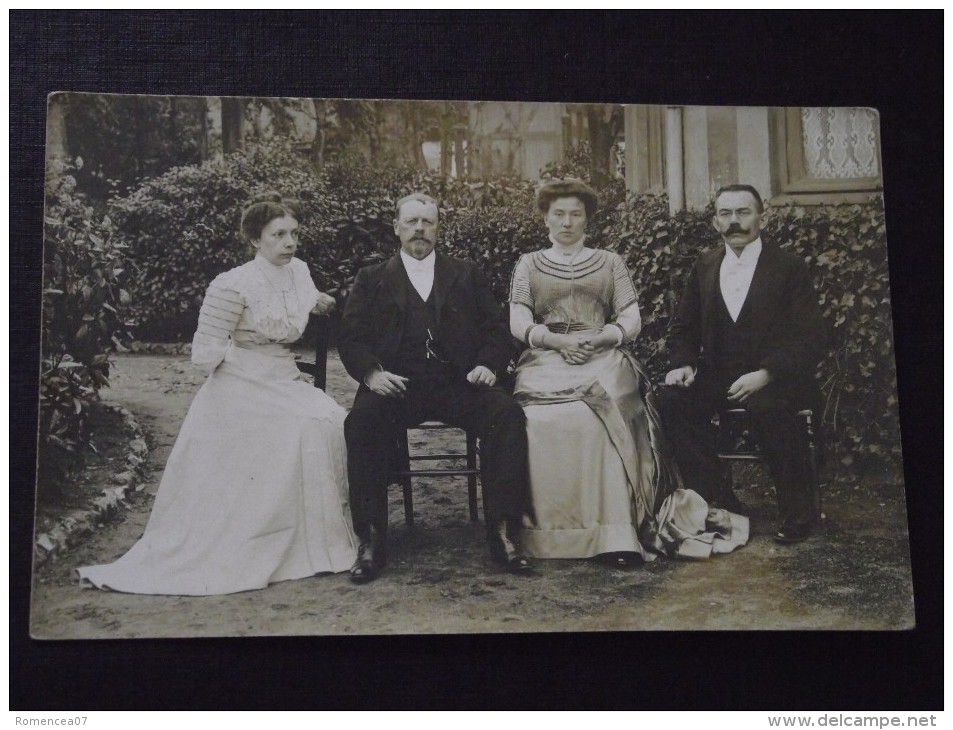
column 599, row 476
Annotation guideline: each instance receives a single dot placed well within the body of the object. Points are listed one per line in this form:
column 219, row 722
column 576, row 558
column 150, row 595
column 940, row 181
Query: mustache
column 735, row 228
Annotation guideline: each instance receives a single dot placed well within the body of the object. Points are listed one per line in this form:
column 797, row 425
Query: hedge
column 845, row 248
column 182, row 230
column 84, row 298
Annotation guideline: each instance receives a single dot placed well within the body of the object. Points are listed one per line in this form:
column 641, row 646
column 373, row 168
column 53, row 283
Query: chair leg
column 814, row 457
column 816, row 486
column 728, row 499
column 403, row 462
column 408, row 502
column 471, row 478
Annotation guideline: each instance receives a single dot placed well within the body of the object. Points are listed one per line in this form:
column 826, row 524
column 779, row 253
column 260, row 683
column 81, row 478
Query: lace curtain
column 839, row 142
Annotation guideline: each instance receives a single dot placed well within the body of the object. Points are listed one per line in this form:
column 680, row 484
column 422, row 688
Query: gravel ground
column 854, row 575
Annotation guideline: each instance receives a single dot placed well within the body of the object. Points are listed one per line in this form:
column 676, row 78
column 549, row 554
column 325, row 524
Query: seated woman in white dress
column 600, row 482
column 255, row 489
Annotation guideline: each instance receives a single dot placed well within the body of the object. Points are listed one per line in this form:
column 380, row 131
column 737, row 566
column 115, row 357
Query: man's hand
column 387, row 384
column 748, row 384
column 682, row 377
column 324, row 304
column 482, row 375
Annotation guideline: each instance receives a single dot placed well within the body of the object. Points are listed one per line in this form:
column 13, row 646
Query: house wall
column 704, row 147
column 698, row 149
column 514, row 138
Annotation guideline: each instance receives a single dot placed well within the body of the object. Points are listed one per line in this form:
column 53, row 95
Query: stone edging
column 70, row 531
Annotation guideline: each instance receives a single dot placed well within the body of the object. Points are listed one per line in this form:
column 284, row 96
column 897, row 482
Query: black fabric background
column 892, row 62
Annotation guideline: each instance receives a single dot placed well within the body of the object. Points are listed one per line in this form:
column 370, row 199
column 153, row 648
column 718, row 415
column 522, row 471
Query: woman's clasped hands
column 578, row 349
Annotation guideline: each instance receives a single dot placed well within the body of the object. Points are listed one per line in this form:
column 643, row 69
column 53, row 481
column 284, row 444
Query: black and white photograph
column 341, row 367
column 215, row 511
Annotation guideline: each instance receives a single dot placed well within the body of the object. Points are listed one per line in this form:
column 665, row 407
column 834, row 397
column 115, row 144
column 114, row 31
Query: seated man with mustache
column 748, row 332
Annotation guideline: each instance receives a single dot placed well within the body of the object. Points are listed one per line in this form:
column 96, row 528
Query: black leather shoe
column 504, row 551
column 791, row 532
column 371, row 555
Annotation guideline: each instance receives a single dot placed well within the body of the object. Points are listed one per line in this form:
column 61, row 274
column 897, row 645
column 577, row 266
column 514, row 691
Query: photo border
column 888, row 61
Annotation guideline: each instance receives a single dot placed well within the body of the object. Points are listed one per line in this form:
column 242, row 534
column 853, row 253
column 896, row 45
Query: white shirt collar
column 415, row 265
column 749, row 254
column 737, row 273
column 420, row 273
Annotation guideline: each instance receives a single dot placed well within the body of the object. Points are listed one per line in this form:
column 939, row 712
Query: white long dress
column 255, row 489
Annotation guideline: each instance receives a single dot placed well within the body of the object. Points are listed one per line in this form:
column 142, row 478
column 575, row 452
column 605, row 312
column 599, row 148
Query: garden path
column 855, row 575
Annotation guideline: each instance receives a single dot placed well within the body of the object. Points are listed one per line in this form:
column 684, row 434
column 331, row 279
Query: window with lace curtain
column 829, row 150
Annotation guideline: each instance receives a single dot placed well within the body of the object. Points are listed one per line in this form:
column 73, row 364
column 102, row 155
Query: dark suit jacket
column 470, row 329
column 790, row 333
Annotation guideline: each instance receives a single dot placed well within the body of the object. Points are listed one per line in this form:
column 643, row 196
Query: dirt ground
column 855, row 574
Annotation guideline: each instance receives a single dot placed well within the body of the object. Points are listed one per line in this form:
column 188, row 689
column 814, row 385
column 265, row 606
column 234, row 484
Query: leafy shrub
column 182, row 228
column 845, row 248
column 642, row 233
column 125, row 138
column 494, row 237
column 84, row 270
column 576, row 162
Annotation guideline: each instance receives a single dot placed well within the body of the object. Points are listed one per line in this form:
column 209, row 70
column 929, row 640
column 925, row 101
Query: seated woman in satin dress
column 255, row 489
column 601, row 483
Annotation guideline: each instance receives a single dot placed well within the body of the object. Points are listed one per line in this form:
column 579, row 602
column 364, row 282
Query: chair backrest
column 319, row 368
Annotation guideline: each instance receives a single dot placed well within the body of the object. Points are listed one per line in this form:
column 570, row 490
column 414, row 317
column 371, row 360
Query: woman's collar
column 559, row 246
column 576, row 254
column 268, row 266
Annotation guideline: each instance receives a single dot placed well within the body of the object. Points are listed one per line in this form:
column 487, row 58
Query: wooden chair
column 402, row 473
column 736, row 443
column 319, row 368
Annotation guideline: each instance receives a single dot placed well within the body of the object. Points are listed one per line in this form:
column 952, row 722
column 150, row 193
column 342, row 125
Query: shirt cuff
column 529, row 333
column 376, row 368
column 621, row 331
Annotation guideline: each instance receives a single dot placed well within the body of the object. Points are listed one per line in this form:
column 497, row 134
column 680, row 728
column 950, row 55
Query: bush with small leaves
column 182, row 231
column 845, row 248
column 84, row 300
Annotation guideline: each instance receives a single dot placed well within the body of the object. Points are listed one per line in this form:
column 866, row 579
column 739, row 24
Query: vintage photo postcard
column 646, row 354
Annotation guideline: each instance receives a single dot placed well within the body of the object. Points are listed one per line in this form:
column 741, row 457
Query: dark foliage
column 84, row 270
column 125, row 139
column 182, row 227
column 846, row 249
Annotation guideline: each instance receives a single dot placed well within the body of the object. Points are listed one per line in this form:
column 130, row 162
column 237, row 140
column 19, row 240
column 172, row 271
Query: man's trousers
column 371, row 430
column 686, row 417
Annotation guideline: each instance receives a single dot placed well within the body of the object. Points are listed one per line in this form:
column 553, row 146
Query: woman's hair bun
column 264, row 208
column 270, row 196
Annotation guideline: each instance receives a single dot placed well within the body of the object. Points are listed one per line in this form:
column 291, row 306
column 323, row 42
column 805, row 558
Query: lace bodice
column 256, row 303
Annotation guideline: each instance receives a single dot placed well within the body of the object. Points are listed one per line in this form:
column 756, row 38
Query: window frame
column 792, row 167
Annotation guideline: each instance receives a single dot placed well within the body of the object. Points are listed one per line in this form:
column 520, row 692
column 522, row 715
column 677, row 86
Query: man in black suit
column 748, row 332
column 425, row 338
